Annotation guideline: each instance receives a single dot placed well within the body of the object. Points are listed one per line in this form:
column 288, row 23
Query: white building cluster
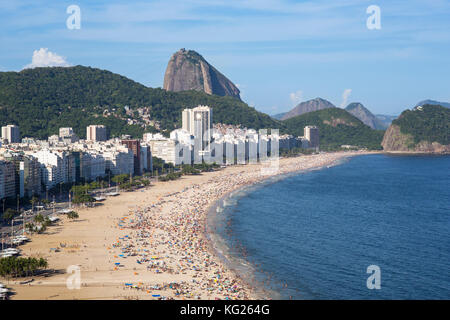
column 32, row 166
column 198, row 140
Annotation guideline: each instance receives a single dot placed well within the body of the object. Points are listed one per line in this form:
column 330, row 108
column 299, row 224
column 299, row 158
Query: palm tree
column 39, row 218
column 34, row 200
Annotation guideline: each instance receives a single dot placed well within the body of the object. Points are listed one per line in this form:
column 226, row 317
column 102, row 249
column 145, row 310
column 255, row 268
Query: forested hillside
column 41, row 100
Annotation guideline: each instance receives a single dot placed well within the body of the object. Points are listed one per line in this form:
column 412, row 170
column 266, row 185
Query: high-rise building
column 2, row 184
column 11, row 133
column 146, row 158
column 135, row 147
column 27, row 174
column 198, row 122
column 96, row 133
column 8, row 176
column 311, row 133
column 119, row 161
column 53, row 167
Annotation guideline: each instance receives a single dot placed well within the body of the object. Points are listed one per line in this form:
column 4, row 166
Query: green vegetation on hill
column 429, row 123
column 41, row 100
column 336, row 127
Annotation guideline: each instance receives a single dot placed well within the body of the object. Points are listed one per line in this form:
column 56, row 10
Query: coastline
column 238, row 264
column 418, row 153
column 165, row 226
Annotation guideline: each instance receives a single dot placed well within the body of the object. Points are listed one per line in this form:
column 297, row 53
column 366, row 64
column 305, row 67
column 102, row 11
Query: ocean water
column 313, row 235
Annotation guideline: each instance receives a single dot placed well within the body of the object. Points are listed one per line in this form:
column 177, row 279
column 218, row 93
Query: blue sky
column 279, row 52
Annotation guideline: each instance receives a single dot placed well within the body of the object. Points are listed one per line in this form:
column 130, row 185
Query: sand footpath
column 150, row 243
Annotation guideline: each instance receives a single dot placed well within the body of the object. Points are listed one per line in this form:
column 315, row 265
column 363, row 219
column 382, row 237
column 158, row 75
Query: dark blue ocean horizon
column 314, row 234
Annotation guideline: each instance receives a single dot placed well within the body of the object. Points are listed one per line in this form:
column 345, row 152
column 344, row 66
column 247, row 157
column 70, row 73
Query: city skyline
column 278, row 52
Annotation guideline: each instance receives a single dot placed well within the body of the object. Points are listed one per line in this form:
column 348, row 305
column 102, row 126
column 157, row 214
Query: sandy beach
column 150, row 243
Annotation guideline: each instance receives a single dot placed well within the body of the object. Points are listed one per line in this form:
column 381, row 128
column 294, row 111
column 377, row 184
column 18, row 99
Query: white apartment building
column 312, row 134
column 96, row 133
column 93, row 165
column 98, row 166
column 198, row 122
column 119, row 162
column 11, row 133
column 182, row 136
column 161, row 147
column 52, row 167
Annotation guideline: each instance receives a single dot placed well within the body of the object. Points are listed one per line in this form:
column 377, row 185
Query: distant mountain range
column 308, row 106
column 367, row 117
column 355, row 108
column 386, row 119
column 188, row 70
column 278, row 116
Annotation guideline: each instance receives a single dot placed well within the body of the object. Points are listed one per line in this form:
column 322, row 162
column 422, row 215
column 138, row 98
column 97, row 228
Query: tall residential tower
column 312, row 134
column 96, row 133
column 11, row 133
column 198, row 122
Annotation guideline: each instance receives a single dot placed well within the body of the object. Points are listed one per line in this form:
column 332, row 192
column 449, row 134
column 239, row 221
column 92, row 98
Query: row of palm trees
column 21, row 267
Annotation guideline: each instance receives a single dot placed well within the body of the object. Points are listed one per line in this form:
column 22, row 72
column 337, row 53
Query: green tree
column 39, row 218
column 34, row 201
column 9, row 214
column 83, row 199
column 72, row 215
column 121, row 178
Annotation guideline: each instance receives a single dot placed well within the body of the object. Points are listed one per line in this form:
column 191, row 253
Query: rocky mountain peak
column 362, row 113
column 188, row 70
column 308, row 106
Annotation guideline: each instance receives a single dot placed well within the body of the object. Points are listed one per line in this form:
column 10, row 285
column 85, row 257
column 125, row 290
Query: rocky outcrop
column 188, row 70
column 308, row 106
column 396, row 141
column 363, row 114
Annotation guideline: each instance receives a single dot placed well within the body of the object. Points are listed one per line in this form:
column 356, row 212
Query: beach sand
column 157, row 235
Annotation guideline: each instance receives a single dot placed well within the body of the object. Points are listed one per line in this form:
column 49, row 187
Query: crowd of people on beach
column 168, row 237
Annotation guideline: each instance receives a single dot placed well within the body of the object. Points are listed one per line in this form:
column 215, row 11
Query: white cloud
column 45, row 58
column 345, row 96
column 296, row 97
